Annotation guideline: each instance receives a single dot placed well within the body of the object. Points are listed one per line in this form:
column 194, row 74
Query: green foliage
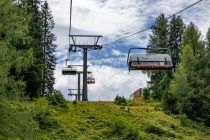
column 176, row 29
column 122, row 131
column 13, row 33
column 16, row 121
column 154, row 130
column 167, row 36
column 159, row 38
column 13, row 24
column 172, row 103
column 74, row 102
column 49, row 49
column 45, row 120
column 33, row 76
column 192, row 37
column 120, row 100
column 146, row 93
column 185, row 95
column 208, row 39
column 93, row 120
column 180, row 88
column 197, row 107
column 57, row 99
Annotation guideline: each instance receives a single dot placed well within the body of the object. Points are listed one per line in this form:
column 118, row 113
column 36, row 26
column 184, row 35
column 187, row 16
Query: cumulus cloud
column 116, row 52
column 109, row 82
column 114, row 19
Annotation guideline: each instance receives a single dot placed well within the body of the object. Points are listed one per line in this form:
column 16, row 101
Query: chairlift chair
column 149, row 60
column 69, row 70
column 90, row 80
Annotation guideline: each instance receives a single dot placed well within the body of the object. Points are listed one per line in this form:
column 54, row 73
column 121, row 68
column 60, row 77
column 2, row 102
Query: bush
column 46, row 120
column 117, row 128
column 185, row 121
column 57, row 99
column 123, row 131
column 197, row 107
column 74, row 102
column 120, row 100
column 132, row 134
column 146, row 94
column 16, row 121
column 172, row 104
column 154, row 130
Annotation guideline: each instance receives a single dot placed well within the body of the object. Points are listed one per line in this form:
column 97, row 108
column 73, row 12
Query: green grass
column 105, row 120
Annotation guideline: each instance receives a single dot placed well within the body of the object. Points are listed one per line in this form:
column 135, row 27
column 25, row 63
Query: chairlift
column 90, row 80
column 149, row 60
column 69, row 70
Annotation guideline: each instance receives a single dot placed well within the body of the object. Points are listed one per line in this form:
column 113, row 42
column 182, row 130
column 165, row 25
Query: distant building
column 136, row 95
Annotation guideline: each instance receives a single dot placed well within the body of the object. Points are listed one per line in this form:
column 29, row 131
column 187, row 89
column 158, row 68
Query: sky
column 114, row 19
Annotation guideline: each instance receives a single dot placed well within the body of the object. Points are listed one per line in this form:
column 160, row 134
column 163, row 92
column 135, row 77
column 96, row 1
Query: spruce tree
column 14, row 60
column 204, row 65
column 159, row 34
column 33, row 76
column 176, row 29
column 159, row 39
column 192, row 37
column 180, row 87
column 49, row 49
column 208, row 39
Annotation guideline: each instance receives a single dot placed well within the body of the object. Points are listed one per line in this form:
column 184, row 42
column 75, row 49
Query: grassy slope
column 102, row 120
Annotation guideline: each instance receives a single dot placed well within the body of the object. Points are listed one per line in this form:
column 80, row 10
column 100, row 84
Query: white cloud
column 116, row 52
column 109, row 82
column 115, row 19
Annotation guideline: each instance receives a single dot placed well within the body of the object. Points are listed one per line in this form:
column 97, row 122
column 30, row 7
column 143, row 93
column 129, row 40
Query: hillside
column 96, row 120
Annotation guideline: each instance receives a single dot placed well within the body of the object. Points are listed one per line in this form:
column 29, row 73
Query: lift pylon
column 73, row 94
column 85, row 47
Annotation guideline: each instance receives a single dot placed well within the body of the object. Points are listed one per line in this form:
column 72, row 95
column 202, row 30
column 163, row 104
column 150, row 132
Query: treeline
column 186, row 89
column 27, row 49
column 27, row 64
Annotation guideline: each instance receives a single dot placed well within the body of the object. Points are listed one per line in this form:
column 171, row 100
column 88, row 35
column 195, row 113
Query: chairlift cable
column 148, row 28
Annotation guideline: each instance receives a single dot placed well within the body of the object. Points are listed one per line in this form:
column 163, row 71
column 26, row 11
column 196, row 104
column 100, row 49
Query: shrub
column 123, row 131
column 146, row 94
column 197, row 107
column 154, row 130
column 117, row 128
column 172, row 104
column 46, row 120
column 131, row 134
column 57, row 99
column 120, row 100
column 74, row 102
column 185, row 121
column 16, row 121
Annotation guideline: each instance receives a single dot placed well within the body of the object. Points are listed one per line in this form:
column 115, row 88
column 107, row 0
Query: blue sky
column 114, row 19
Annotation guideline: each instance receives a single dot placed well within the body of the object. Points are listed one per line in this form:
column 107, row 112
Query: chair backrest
column 149, row 60
column 69, row 71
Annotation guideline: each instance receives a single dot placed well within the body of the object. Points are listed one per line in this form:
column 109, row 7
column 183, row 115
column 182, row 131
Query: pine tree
column 33, row 76
column 192, row 37
column 180, row 87
column 14, row 61
column 208, row 39
column 204, row 65
column 48, row 49
column 176, row 29
column 159, row 34
column 158, row 38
